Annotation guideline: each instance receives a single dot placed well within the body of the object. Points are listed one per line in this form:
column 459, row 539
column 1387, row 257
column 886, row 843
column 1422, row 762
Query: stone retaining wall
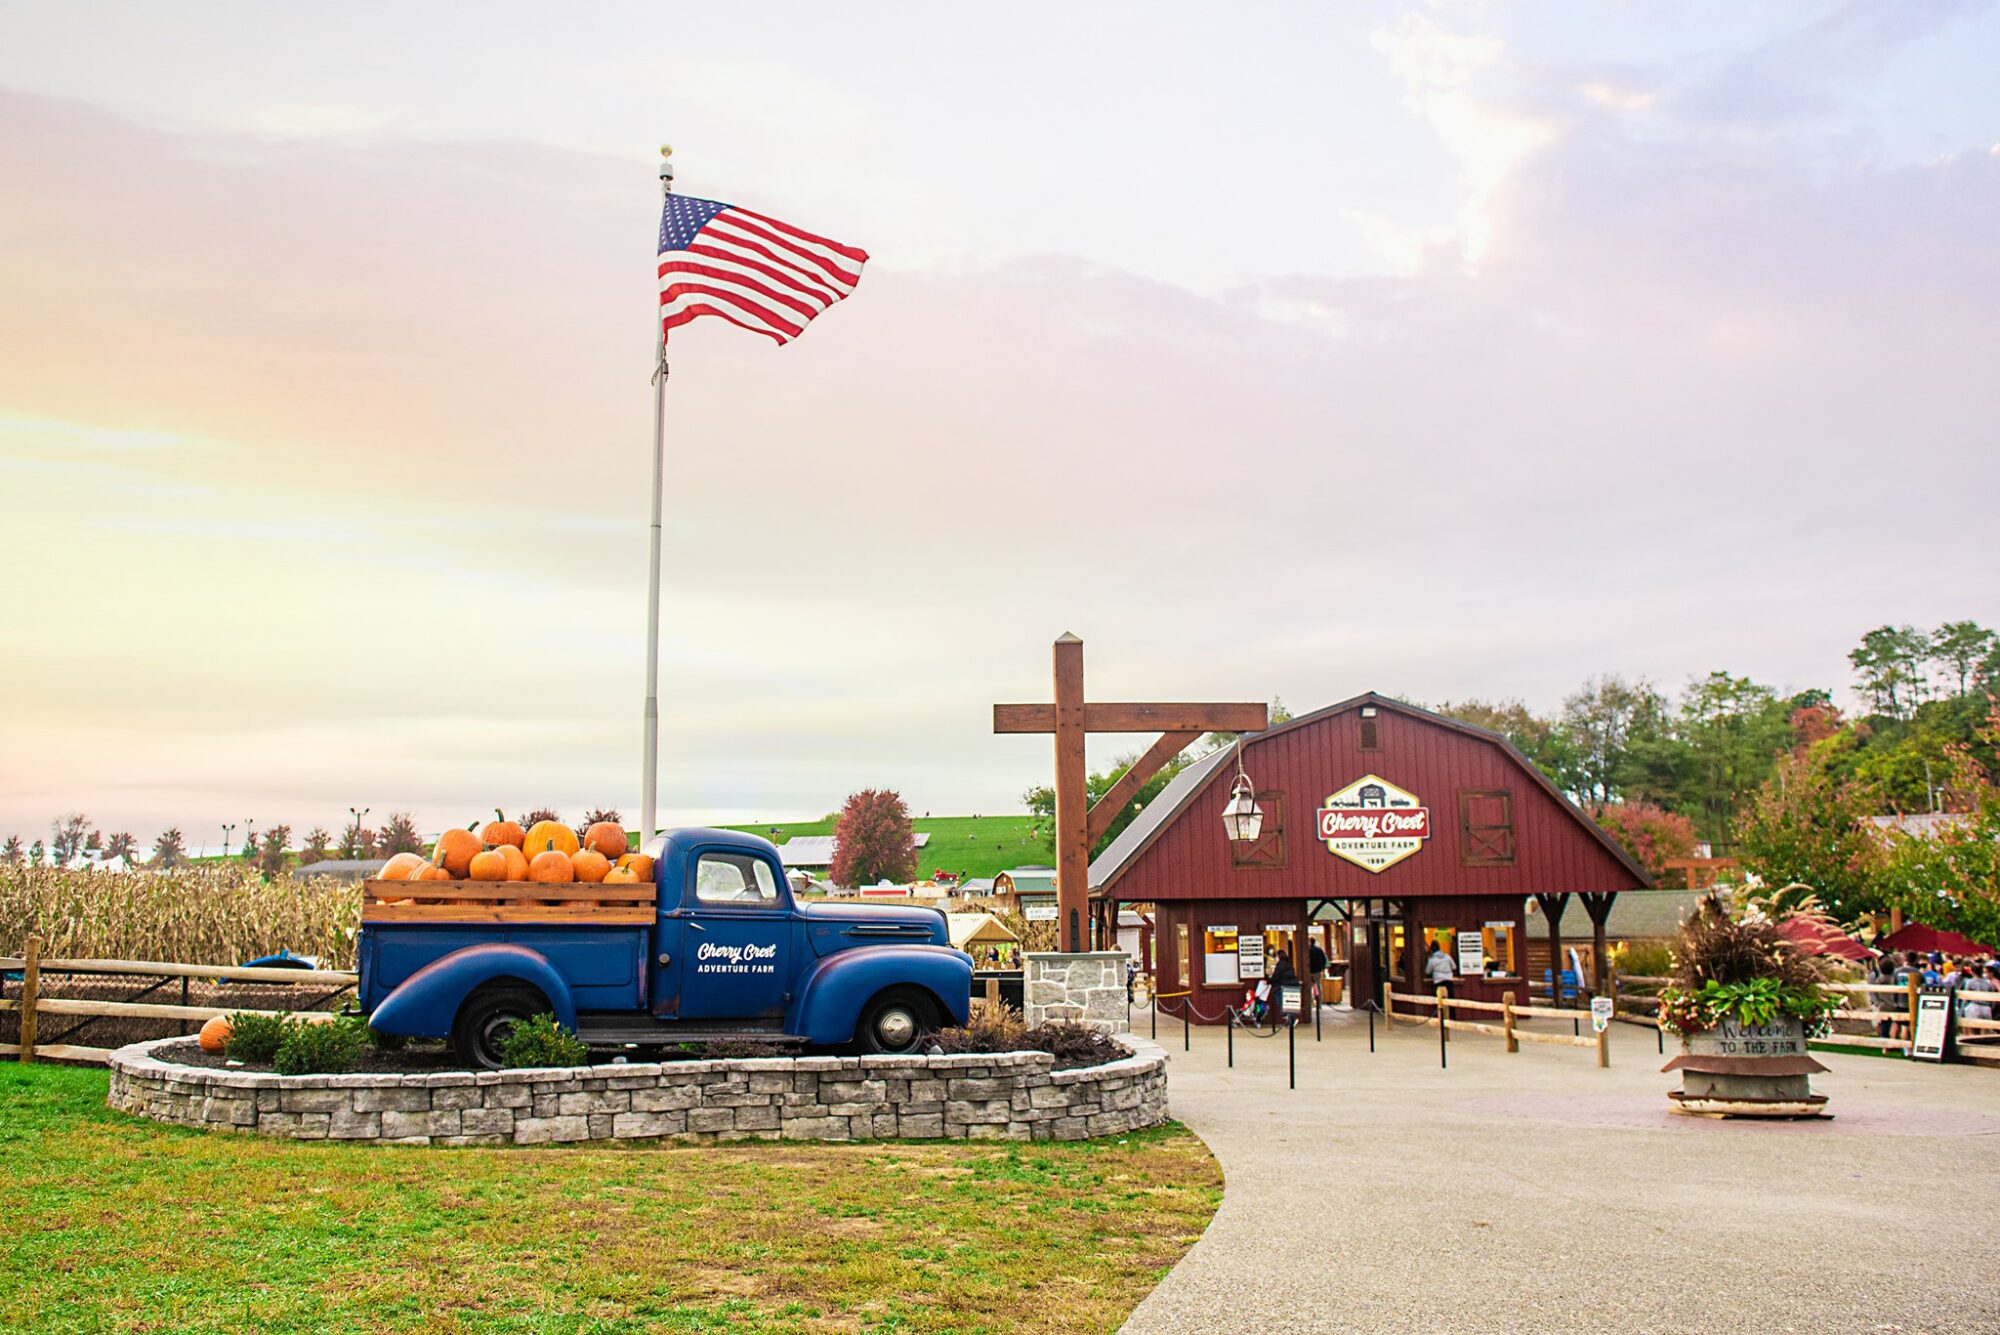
column 1082, row 987
column 995, row 1096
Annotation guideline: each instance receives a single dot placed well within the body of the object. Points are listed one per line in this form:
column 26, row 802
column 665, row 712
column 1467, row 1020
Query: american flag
column 754, row 271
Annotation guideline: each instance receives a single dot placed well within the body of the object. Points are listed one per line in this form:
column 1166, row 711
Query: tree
column 272, row 859
column 1734, row 730
column 14, row 852
column 356, row 840
column 1277, row 713
column 1041, row 800
column 170, row 850
column 1600, row 723
column 1652, row 835
column 36, row 853
column 399, row 835
column 122, row 845
column 873, row 840
column 1889, row 666
column 1949, row 877
column 1537, row 738
column 67, row 834
column 318, row 844
column 1806, row 825
column 250, row 844
column 1960, row 647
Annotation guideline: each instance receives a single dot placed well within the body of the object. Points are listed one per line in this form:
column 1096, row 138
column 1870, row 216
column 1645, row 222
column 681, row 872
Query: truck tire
column 486, row 1017
column 895, row 1021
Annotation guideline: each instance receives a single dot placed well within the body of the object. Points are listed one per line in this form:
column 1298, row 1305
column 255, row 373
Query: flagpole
column 649, row 802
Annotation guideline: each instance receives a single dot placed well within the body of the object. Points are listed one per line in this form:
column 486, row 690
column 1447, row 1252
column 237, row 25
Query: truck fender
column 830, row 997
column 428, row 1000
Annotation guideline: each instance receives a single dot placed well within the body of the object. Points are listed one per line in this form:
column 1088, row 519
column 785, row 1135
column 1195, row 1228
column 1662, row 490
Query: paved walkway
column 1537, row 1193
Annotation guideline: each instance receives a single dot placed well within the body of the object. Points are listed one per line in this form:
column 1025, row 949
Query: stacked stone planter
column 1084, row 987
column 1740, row 1070
column 993, row 1096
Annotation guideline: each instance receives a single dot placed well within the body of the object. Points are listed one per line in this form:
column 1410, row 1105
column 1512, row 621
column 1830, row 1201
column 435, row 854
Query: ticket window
column 1397, row 939
column 1219, row 967
column 1278, row 941
column 1497, row 941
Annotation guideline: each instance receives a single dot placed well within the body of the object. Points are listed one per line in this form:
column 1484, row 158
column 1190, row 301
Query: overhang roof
column 1135, row 838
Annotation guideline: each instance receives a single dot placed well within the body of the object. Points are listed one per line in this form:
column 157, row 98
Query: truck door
column 736, row 939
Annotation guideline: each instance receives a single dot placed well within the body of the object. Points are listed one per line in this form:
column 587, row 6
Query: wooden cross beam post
column 1079, row 824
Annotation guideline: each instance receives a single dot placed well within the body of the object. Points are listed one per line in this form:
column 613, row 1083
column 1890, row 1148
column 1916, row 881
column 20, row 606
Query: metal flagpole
column 649, row 801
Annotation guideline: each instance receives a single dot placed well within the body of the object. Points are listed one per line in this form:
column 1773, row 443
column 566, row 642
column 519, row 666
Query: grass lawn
column 970, row 845
column 114, row 1223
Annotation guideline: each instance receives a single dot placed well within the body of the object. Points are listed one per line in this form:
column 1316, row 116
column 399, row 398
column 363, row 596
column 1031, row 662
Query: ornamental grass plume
column 1746, row 967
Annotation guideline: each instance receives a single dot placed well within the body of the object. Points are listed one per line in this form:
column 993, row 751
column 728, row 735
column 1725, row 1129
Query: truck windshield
column 734, row 878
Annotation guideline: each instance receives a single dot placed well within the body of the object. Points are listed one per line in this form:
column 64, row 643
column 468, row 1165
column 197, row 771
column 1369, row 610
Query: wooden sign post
column 1079, row 823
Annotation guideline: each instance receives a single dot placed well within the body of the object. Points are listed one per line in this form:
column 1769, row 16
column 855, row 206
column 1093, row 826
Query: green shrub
column 319, row 1049
column 1648, row 959
column 540, row 1041
column 255, row 1038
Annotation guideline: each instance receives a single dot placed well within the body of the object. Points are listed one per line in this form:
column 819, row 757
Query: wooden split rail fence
column 1443, row 1004
column 32, row 1004
column 1867, row 1008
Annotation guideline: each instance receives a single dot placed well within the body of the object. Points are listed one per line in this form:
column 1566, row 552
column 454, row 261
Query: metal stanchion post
column 1232, row 1037
column 1156, row 1019
column 1370, row 1008
column 1187, row 1025
column 1292, row 1051
column 1317, row 1008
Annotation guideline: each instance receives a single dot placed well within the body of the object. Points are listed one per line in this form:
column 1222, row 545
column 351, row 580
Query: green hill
column 969, row 845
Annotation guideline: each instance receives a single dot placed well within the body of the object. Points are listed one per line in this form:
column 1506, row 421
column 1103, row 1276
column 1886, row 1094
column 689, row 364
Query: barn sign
column 1373, row 823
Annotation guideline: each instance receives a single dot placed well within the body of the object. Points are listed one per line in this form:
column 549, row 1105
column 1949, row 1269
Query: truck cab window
column 734, row 878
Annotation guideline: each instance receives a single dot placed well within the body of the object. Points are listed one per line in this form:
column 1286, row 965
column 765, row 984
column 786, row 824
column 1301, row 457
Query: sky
column 1444, row 350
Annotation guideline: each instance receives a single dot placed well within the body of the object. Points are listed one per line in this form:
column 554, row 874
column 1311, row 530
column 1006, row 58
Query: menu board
column 1250, row 956
column 1471, row 953
column 1933, row 1022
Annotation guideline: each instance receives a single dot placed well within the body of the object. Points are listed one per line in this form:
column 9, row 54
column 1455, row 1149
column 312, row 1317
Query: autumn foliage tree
column 1651, row 834
column 1809, row 826
column 873, row 840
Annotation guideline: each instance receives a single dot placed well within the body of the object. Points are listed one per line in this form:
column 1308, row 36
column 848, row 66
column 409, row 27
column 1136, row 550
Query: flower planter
column 1740, row 1070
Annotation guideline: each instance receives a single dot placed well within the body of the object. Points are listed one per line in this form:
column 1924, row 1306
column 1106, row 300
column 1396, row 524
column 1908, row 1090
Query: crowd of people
column 1968, row 978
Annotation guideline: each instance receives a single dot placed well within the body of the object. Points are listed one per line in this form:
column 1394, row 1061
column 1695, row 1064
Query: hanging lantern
column 1243, row 819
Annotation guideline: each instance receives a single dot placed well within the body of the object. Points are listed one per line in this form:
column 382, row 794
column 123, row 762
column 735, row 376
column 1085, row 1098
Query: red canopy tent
column 1818, row 938
column 1916, row 936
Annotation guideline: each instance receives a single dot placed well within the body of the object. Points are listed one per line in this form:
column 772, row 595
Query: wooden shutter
column 1486, row 827
column 1267, row 850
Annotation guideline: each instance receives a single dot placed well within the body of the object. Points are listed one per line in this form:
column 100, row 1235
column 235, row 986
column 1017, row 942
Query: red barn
column 1402, row 827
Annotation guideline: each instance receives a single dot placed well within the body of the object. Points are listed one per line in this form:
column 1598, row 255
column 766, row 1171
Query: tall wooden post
column 31, row 994
column 1072, row 797
column 1552, row 909
column 1507, row 1020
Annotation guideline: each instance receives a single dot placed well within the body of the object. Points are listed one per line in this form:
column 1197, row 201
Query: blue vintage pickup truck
column 724, row 951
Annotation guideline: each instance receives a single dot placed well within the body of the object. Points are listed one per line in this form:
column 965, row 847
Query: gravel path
column 1537, row 1193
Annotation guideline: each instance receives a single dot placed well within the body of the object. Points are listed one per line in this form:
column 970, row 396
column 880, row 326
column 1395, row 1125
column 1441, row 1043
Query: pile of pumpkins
column 549, row 853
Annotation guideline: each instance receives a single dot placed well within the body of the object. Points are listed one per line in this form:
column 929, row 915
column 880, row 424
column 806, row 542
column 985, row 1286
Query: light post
column 227, row 831
column 359, row 851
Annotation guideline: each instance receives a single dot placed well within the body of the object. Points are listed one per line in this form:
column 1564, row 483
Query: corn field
column 194, row 915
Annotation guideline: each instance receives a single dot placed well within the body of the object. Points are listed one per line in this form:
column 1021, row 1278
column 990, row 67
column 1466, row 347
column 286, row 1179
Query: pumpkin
column 489, row 864
column 639, row 864
column 400, row 868
column 608, row 838
column 517, row 862
column 215, row 1034
column 430, row 871
column 621, row 876
column 551, row 866
column 550, row 834
column 500, row 830
column 591, row 865
column 455, row 850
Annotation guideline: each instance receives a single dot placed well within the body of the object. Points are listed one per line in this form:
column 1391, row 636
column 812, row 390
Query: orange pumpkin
column 500, row 830
column 517, row 862
column 550, row 834
column 621, row 876
column 489, row 864
column 402, row 867
column 639, row 864
column 608, row 838
column 430, row 871
column 455, row 851
column 551, row 867
column 214, row 1035
column 590, row 865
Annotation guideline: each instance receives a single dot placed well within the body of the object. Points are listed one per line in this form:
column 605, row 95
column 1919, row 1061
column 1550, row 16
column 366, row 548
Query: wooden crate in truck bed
column 507, row 901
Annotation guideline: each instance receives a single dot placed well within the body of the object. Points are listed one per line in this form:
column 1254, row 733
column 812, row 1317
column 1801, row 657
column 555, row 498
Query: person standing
column 1978, row 983
column 1439, row 968
column 1316, row 966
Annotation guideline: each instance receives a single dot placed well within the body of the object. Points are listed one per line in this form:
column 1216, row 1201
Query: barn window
column 1267, row 850
column 1486, row 827
column 1371, row 737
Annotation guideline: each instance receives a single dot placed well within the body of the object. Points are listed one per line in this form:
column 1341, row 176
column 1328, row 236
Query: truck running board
column 613, row 1030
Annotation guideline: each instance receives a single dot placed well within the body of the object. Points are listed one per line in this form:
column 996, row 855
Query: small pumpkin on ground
column 430, row 871
column 455, row 850
column 608, row 838
column 214, row 1036
column 517, row 862
column 639, row 864
column 621, row 876
column 402, row 867
column 550, row 834
column 489, row 864
column 552, row 867
column 500, row 830
column 590, row 865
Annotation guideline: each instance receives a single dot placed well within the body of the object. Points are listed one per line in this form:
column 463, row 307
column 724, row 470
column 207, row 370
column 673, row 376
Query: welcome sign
column 1373, row 823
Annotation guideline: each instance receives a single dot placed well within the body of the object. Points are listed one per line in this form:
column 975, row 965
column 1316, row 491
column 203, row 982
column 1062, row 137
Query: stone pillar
column 1086, row 986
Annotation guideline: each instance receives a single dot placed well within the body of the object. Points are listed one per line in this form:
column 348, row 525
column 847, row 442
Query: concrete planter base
column 984, row 1096
column 1739, row 1070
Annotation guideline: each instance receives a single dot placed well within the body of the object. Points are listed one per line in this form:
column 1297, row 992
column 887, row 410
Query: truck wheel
column 485, row 1020
column 894, row 1022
